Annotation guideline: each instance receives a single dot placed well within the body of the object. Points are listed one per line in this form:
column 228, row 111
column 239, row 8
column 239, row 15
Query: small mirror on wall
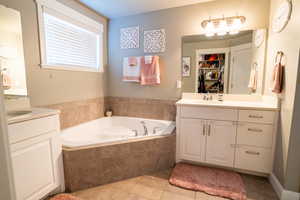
column 223, row 64
column 12, row 63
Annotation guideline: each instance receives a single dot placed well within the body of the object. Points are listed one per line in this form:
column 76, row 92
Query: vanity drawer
column 253, row 159
column 260, row 135
column 209, row 113
column 24, row 130
column 257, row 116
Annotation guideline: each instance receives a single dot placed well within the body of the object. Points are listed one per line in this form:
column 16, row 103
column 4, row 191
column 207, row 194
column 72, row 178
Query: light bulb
column 222, row 27
column 237, row 23
column 210, row 29
column 235, row 26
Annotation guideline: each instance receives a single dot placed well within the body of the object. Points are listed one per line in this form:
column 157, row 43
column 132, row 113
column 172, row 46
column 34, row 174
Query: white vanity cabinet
column 36, row 156
column 193, row 139
column 232, row 137
column 220, row 141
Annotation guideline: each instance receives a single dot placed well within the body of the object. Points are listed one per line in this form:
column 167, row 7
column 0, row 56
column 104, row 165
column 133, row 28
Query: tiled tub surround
column 144, row 108
column 98, row 165
column 77, row 112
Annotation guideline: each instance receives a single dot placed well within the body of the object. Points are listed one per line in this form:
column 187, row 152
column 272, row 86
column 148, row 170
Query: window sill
column 70, row 68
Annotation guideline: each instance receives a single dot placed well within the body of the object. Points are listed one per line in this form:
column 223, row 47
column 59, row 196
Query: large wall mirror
column 232, row 64
column 12, row 64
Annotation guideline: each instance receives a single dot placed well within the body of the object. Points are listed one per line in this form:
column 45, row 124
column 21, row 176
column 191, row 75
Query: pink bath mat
column 64, row 197
column 212, row 181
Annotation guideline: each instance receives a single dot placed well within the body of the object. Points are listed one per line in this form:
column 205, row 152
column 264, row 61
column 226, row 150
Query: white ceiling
column 119, row 8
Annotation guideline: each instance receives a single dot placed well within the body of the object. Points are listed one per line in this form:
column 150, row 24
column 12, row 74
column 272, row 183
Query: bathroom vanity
column 35, row 152
column 238, row 132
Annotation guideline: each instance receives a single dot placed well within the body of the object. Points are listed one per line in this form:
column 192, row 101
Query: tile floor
column 156, row 187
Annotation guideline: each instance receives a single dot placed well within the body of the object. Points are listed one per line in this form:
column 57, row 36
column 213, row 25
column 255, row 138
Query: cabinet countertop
column 35, row 113
column 228, row 104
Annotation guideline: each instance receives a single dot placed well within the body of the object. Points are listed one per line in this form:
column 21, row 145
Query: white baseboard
column 282, row 193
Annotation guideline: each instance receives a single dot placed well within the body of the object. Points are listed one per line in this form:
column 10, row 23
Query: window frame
column 76, row 16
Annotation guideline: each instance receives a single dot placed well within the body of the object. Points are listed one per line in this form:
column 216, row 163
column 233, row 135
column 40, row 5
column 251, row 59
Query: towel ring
column 255, row 66
column 281, row 54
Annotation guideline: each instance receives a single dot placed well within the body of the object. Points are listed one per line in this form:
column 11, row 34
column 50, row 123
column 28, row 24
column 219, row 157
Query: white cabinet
column 36, row 157
column 193, row 139
column 253, row 134
column 208, row 141
column 254, row 159
column 220, row 146
column 229, row 137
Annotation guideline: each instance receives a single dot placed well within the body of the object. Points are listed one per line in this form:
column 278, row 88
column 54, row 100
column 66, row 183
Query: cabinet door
column 33, row 168
column 192, row 139
column 221, row 140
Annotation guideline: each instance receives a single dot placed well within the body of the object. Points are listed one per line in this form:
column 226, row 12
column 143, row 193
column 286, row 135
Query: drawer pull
column 255, row 130
column 203, row 130
column 256, row 116
column 252, row 152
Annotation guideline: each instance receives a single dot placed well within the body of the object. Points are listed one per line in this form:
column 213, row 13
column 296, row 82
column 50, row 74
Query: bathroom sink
column 199, row 101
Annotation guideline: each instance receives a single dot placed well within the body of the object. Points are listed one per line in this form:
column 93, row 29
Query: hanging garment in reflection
column 253, row 78
column 201, row 80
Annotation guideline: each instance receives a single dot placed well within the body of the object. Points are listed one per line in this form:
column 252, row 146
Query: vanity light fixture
column 222, row 26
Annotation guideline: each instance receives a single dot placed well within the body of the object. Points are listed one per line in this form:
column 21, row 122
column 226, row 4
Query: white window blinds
column 69, row 43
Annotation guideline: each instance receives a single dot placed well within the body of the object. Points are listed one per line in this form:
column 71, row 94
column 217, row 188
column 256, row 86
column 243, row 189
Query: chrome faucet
column 145, row 127
column 208, row 97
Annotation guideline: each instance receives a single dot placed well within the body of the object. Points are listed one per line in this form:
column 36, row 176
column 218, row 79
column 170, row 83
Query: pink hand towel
column 278, row 73
column 131, row 73
column 132, row 61
column 150, row 73
column 6, row 79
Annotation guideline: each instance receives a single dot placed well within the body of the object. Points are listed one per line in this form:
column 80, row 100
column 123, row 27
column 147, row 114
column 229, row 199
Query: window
column 69, row 40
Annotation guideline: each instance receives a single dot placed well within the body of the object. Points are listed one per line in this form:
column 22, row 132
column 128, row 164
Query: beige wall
column 55, row 86
column 287, row 162
column 177, row 22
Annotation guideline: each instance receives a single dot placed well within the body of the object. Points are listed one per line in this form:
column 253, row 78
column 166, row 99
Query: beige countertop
column 34, row 114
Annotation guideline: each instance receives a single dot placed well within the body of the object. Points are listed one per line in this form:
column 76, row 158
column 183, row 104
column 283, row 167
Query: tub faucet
column 135, row 133
column 145, row 127
column 155, row 129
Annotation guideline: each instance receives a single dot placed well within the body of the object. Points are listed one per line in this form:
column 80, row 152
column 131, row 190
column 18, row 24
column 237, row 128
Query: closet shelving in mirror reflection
column 211, row 69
